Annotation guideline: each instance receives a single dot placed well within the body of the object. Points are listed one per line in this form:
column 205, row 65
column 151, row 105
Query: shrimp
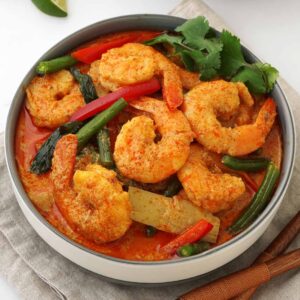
column 188, row 79
column 210, row 100
column 95, row 204
column 139, row 157
column 204, row 183
column 53, row 98
column 134, row 63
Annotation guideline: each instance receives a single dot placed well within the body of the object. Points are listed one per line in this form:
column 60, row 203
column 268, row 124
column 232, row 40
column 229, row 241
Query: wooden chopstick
column 277, row 247
column 279, row 244
column 236, row 283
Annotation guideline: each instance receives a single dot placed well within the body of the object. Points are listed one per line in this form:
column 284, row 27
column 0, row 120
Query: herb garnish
column 201, row 51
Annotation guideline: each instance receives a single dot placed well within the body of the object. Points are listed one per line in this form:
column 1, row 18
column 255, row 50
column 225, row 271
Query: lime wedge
column 57, row 8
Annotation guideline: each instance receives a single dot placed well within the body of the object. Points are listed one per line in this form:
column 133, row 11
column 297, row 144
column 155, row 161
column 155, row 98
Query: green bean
column 259, row 201
column 99, row 121
column 249, row 165
column 173, row 188
column 104, row 148
column 150, row 231
column 192, row 249
column 56, row 64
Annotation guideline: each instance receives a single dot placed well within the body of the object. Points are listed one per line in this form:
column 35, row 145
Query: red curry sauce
column 134, row 245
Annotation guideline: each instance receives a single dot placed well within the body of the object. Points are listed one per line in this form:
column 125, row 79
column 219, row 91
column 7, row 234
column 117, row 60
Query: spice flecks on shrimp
column 53, row 98
column 134, row 63
column 96, row 206
column 213, row 191
column 139, row 157
column 210, row 100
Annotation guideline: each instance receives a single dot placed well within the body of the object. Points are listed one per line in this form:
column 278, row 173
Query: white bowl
column 136, row 271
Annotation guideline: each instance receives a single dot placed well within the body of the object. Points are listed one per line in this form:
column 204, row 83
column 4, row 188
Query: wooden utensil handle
column 284, row 263
column 234, row 284
column 278, row 246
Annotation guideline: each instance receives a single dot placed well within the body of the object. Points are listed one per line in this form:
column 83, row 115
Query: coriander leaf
column 253, row 78
column 270, row 75
column 187, row 61
column 194, row 32
column 208, row 74
column 206, row 64
column 231, row 56
column 194, row 28
column 165, row 38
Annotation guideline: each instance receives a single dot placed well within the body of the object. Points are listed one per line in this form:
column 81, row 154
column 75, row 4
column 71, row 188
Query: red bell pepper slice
column 192, row 234
column 129, row 92
column 93, row 52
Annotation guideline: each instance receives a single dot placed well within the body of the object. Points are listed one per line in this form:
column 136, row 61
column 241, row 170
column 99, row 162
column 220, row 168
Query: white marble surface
column 270, row 28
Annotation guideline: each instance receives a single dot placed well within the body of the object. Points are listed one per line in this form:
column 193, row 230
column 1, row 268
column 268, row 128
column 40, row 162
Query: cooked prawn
column 210, row 100
column 53, row 98
column 205, row 185
column 96, row 206
column 139, row 157
column 133, row 63
column 188, row 79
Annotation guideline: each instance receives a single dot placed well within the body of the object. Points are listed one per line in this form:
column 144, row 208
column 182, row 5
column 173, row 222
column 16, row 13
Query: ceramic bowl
column 134, row 271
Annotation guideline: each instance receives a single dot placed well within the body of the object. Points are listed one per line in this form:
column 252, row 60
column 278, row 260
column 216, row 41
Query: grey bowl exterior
column 133, row 271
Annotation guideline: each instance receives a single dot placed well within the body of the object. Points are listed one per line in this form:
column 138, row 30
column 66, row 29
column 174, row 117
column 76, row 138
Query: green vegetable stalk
column 99, row 121
column 56, row 64
column 103, row 140
column 259, row 201
column 192, row 249
column 248, row 165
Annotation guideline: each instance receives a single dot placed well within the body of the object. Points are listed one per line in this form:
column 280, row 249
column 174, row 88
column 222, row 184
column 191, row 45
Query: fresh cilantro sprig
column 201, row 51
column 260, row 78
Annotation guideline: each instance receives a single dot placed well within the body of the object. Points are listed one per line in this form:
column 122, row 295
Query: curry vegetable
column 86, row 85
column 103, row 140
column 56, row 64
column 259, row 201
column 192, row 249
column 92, row 127
column 42, row 161
column 249, row 165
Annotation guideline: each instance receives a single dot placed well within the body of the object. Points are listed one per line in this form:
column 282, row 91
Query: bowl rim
column 17, row 184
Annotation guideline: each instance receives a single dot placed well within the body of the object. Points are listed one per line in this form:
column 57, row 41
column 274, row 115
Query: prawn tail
column 172, row 92
column 266, row 116
column 63, row 161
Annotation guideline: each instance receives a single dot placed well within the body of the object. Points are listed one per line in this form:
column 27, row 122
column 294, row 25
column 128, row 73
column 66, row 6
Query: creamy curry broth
column 134, row 245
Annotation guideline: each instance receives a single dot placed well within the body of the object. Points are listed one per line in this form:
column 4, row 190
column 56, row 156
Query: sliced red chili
column 129, row 92
column 192, row 234
column 93, row 52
